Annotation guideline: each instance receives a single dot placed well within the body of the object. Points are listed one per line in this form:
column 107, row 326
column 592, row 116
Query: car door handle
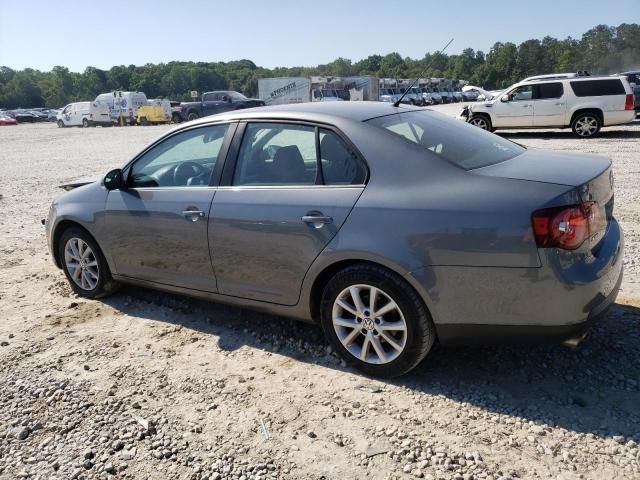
column 560, row 104
column 194, row 215
column 321, row 219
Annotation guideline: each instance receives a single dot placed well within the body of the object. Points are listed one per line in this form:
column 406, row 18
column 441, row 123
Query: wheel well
column 315, row 297
column 60, row 229
column 595, row 111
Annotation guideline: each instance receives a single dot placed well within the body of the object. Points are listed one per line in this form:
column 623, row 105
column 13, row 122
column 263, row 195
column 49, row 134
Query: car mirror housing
column 504, row 98
column 114, row 180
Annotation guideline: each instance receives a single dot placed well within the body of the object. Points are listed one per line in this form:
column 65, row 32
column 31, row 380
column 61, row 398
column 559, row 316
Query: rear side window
column 340, row 165
column 550, row 90
column 464, row 145
column 597, row 88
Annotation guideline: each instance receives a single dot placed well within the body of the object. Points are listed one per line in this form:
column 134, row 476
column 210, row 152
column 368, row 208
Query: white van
column 74, row 115
column 118, row 105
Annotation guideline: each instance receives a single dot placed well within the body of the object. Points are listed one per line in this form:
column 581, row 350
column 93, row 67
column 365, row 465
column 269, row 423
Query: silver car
column 392, row 227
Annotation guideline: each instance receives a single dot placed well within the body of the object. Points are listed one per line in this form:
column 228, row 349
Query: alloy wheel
column 369, row 324
column 586, row 126
column 479, row 122
column 81, row 263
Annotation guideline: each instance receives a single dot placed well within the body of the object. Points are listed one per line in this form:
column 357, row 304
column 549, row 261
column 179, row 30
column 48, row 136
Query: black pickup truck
column 217, row 102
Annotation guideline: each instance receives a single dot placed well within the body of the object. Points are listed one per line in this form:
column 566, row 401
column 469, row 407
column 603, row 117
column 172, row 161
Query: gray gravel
column 150, row 385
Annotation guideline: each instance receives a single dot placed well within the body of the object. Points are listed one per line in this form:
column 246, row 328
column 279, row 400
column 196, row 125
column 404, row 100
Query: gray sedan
column 390, row 226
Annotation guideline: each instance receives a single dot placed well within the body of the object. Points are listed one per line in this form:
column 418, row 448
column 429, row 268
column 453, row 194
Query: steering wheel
column 186, row 170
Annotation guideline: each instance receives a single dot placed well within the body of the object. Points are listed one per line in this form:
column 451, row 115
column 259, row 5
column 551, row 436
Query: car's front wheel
column 192, row 116
column 375, row 321
column 84, row 264
column 586, row 125
column 85, row 123
column 481, row 121
column 60, row 124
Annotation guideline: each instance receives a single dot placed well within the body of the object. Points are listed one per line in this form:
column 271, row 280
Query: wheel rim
column 81, row 263
column 479, row 122
column 586, row 126
column 369, row 324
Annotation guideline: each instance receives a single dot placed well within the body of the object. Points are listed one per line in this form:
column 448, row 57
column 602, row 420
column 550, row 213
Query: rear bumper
column 557, row 301
column 618, row 117
column 469, row 334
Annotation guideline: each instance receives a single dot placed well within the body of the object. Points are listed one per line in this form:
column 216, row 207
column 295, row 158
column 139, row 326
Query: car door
column 516, row 110
column 157, row 226
column 214, row 103
column 283, row 198
column 550, row 105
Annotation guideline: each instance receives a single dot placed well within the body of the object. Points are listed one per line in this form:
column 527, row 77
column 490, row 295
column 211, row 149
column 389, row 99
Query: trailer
column 286, row 90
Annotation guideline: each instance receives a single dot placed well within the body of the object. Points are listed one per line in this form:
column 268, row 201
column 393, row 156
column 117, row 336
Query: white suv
column 583, row 103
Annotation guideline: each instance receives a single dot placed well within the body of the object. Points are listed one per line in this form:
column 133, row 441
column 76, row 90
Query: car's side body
column 73, row 114
column 461, row 238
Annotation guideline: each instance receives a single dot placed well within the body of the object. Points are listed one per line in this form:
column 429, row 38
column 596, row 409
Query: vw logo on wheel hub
column 367, row 323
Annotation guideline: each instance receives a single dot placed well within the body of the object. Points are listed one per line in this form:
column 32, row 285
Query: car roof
column 314, row 111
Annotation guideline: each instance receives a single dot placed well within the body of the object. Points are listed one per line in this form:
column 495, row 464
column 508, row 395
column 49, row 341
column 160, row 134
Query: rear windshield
column 596, row 88
column 462, row 144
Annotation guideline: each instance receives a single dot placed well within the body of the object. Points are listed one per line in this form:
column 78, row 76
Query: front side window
column 550, row 90
column 459, row 143
column 277, row 154
column 522, row 93
column 186, row 159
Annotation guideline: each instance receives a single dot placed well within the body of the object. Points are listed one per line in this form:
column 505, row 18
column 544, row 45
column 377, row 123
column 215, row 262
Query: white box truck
column 114, row 107
column 285, row 90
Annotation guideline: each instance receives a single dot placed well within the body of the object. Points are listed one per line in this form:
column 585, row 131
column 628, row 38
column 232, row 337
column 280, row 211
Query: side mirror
column 504, row 98
column 114, row 180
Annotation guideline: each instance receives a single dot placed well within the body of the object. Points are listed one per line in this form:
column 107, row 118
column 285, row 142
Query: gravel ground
column 151, row 385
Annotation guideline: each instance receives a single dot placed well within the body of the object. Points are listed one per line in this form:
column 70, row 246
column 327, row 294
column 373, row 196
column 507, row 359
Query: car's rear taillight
column 628, row 104
column 566, row 227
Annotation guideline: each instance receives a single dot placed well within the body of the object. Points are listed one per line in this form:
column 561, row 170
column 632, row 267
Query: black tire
column 60, row 124
column 481, row 121
column 104, row 285
column 420, row 331
column 85, row 123
column 144, row 121
column 176, row 118
column 193, row 116
column 586, row 125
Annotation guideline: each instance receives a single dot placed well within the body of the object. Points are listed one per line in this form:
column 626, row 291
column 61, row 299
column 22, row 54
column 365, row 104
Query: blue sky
column 77, row 34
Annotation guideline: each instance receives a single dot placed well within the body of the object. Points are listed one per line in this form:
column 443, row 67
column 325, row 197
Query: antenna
column 397, row 102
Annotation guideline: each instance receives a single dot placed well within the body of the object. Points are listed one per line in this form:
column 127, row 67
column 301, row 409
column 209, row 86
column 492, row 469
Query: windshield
column 237, row 96
column 464, row 145
column 328, row 93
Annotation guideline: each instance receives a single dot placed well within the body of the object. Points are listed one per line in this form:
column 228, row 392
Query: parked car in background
column 288, row 209
column 583, row 103
column 39, row 115
column 7, row 120
column 446, row 96
column 634, row 81
column 218, row 102
column 26, row 117
column 388, row 95
column 52, row 115
column 176, row 112
column 457, row 96
column 435, row 95
column 74, row 115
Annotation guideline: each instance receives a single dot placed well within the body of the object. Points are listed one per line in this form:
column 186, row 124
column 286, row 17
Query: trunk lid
column 548, row 166
column 590, row 176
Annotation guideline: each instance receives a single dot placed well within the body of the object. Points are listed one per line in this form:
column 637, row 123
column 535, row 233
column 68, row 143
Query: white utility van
column 110, row 108
column 74, row 115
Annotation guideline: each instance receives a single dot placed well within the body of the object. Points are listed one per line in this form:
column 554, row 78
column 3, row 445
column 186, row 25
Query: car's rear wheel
column 84, row 264
column 60, row 124
column 192, row 116
column 144, row 121
column 481, row 121
column 85, row 123
column 375, row 321
column 586, row 125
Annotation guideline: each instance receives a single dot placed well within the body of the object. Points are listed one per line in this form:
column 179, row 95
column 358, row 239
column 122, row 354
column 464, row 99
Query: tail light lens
column 566, row 227
column 628, row 104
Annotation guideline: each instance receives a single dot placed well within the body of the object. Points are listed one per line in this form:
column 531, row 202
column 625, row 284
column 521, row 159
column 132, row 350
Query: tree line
column 603, row 49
